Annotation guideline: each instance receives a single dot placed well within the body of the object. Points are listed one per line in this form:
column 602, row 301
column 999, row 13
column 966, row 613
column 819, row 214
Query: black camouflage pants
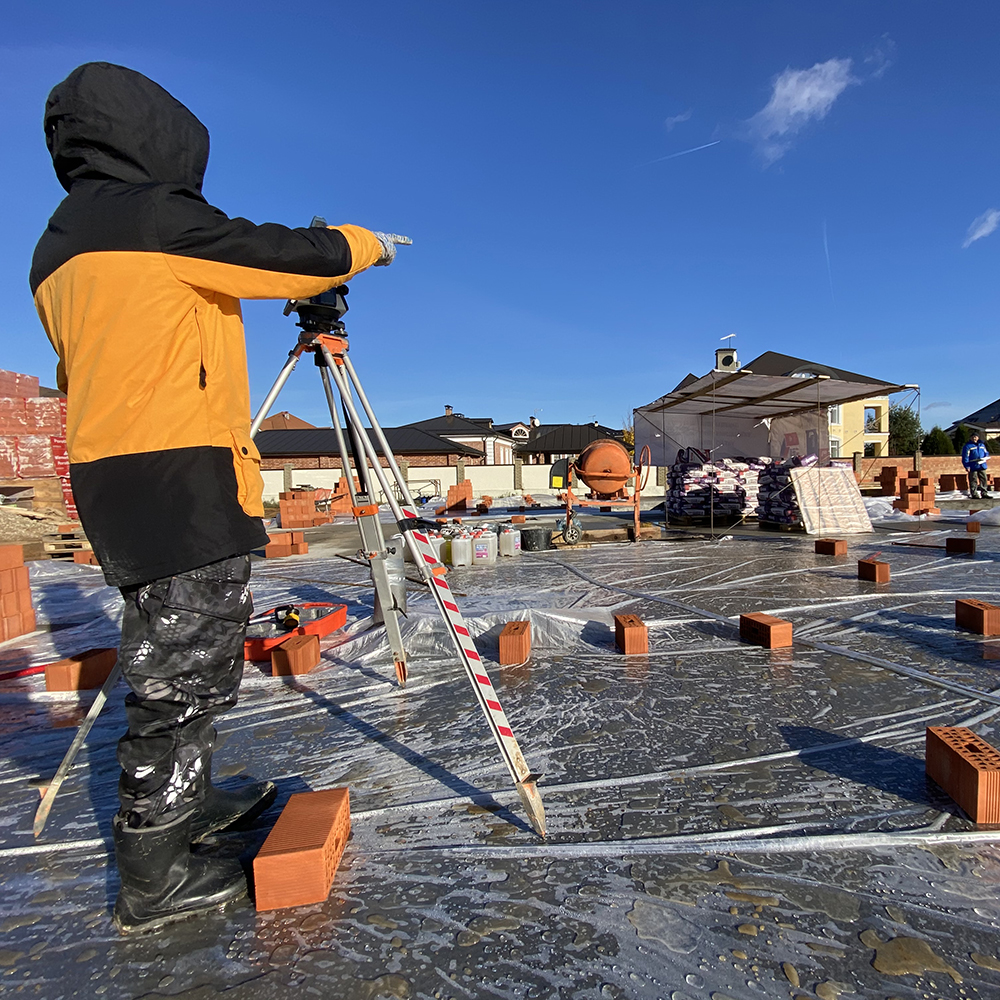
column 182, row 656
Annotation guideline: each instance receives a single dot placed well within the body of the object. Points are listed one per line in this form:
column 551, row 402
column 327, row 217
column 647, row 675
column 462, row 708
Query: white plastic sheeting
column 719, row 814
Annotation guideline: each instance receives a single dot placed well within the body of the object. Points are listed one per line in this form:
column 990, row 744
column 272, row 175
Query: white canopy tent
column 729, row 414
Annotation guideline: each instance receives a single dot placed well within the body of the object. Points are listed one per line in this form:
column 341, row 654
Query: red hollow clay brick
column 85, row 558
column 955, row 545
column 973, row 527
column 515, row 643
column 831, row 546
column 967, row 768
column 631, row 635
column 873, row 571
column 296, row 655
column 296, row 864
column 518, row 519
column 977, row 616
column 765, row 630
column 80, row 672
column 300, row 549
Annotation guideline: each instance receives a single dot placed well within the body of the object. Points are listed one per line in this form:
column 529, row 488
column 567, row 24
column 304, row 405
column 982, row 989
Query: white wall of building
column 489, row 480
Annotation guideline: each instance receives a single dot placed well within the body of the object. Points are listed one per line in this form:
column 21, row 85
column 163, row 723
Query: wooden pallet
column 690, row 521
column 777, row 526
column 64, row 544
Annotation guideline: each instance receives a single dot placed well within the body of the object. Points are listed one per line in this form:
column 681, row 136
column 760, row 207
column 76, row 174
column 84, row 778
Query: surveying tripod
column 325, row 337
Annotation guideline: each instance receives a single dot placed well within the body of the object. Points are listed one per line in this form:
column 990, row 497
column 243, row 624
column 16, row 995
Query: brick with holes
column 515, row 643
column 296, row 864
column 977, row 616
column 831, row 546
column 873, row 571
column 967, row 768
column 956, row 545
column 296, row 655
column 766, row 630
column 81, row 672
column 631, row 635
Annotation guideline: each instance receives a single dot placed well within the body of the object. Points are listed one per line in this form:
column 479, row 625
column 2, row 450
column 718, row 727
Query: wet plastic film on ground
column 724, row 820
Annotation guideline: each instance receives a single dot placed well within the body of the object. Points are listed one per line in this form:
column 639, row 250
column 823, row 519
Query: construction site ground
column 725, row 821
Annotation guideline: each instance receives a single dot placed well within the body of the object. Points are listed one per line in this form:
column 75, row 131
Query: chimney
column 447, row 410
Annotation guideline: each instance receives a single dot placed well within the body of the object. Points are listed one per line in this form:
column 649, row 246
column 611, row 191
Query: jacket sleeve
column 206, row 249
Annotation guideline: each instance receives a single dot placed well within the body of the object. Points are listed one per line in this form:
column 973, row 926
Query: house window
column 833, row 414
column 872, row 449
column 520, row 432
column 834, row 446
column 873, row 420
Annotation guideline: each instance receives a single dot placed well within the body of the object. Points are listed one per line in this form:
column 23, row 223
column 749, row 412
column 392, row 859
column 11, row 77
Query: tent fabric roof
column 322, row 441
column 744, row 393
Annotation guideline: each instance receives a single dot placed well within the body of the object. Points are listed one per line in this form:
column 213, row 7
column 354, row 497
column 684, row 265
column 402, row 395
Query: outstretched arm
column 207, row 249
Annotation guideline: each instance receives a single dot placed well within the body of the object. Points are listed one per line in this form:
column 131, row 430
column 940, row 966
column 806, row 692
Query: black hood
column 105, row 121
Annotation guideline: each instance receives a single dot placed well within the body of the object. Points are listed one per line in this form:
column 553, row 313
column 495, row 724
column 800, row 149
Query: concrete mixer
column 604, row 465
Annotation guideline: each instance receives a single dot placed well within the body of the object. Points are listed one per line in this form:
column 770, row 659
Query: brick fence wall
column 931, row 466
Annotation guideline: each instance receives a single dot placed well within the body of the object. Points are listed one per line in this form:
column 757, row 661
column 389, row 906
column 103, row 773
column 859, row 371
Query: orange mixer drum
column 604, row 466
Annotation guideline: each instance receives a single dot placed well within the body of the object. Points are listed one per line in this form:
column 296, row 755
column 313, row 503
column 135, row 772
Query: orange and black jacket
column 137, row 281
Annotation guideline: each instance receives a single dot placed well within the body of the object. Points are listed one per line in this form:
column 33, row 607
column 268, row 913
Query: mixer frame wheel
column 572, row 533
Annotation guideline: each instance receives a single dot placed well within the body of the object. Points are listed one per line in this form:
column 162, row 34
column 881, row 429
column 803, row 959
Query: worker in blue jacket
column 974, row 456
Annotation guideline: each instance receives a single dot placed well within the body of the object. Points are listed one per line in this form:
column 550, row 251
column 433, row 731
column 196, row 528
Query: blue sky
column 566, row 261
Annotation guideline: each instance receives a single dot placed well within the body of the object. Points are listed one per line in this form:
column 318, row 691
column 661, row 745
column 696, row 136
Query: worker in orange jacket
column 137, row 280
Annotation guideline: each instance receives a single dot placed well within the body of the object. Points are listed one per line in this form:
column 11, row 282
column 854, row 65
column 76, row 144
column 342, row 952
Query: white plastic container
column 461, row 550
column 510, row 542
column 484, row 548
column 437, row 543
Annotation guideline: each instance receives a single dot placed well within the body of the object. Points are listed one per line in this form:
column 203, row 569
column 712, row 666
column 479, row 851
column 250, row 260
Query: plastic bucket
column 536, row 539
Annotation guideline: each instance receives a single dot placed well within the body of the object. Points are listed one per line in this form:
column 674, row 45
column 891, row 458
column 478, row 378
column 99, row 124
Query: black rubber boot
column 221, row 808
column 162, row 881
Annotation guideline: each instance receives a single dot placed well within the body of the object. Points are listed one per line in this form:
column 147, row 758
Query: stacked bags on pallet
column 697, row 487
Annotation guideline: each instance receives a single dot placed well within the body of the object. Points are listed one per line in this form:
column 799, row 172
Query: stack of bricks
column 889, row 478
column 459, row 496
column 286, row 543
column 948, row 482
column 17, row 617
column 340, row 500
column 916, row 495
column 297, row 509
column 33, row 435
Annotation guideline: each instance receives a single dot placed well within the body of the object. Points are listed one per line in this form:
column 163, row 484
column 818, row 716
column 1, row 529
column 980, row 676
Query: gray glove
column 389, row 241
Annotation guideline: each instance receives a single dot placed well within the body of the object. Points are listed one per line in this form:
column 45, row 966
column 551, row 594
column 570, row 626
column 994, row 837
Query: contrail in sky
column 829, row 270
column 683, row 152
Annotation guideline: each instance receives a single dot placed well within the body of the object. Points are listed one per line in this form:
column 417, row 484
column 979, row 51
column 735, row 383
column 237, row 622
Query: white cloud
column 678, row 119
column 982, row 226
column 938, row 405
column 799, row 96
